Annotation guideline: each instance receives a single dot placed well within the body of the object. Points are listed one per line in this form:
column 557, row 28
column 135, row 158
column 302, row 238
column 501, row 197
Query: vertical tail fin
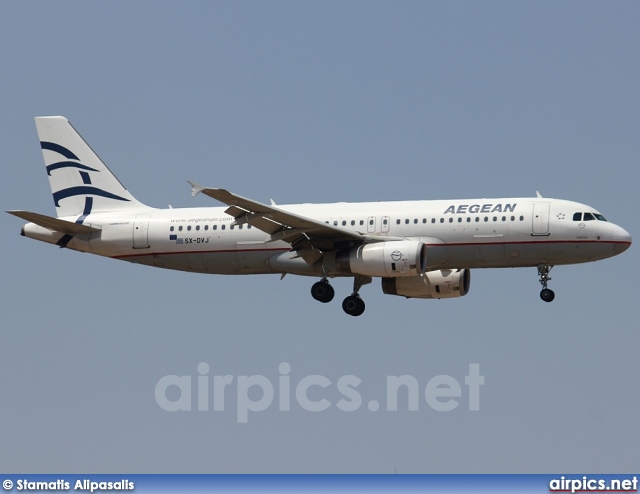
column 80, row 182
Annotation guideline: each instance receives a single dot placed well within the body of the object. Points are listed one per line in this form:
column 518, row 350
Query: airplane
column 419, row 249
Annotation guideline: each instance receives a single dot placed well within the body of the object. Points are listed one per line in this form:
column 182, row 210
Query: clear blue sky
column 321, row 102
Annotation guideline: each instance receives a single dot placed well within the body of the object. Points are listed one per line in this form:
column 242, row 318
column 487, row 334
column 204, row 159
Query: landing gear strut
column 322, row 291
column 546, row 294
column 353, row 304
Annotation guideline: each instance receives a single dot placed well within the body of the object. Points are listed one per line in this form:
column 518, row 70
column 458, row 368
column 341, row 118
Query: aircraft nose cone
column 622, row 240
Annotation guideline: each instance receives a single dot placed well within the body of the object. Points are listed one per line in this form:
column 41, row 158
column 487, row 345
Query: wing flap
column 309, row 253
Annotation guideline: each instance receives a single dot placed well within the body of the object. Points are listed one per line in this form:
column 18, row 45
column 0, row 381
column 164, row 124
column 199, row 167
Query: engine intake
column 444, row 283
column 385, row 259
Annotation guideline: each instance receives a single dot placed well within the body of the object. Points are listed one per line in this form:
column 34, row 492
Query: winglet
column 195, row 188
column 538, row 195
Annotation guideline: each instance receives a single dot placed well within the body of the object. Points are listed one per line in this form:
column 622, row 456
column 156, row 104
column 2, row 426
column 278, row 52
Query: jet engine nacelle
column 444, row 283
column 384, row 259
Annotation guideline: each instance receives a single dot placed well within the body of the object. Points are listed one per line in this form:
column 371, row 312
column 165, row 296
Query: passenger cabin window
column 397, row 222
column 189, row 228
column 171, row 229
column 197, row 227
column 362, row 222
column 215, row 227
column 180, row 228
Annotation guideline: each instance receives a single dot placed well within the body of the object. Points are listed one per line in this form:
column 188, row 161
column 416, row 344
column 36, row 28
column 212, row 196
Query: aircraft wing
column 308, row 237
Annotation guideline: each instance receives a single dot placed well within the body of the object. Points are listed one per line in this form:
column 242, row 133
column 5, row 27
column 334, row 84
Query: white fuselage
column 419, row 249
column 477, row 233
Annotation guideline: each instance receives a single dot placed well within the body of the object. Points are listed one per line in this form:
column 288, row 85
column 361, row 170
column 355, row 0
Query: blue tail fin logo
column 87, row 189
column 75, row 172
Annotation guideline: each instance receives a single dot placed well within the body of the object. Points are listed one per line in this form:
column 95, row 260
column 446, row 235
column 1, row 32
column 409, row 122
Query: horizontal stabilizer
column 54, row 224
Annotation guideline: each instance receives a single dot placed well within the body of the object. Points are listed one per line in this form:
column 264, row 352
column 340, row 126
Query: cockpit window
column 588, row 217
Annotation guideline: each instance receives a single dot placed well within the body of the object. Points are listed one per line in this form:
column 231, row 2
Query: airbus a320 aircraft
column 422, row 249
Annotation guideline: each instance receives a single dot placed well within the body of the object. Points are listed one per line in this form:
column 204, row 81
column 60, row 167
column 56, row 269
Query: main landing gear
column 353, row 305
column 546, row 294
column 322, row 291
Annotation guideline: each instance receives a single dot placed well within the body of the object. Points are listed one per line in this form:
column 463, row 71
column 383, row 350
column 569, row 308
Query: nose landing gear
column 546, row 294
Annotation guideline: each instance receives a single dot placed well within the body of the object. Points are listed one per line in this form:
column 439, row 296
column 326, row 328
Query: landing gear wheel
column 547, row 295
column 352, row 305
column 322, row 291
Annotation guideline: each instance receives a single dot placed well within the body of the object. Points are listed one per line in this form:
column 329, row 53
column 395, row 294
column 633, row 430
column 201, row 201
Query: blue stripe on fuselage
column 88, row 205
